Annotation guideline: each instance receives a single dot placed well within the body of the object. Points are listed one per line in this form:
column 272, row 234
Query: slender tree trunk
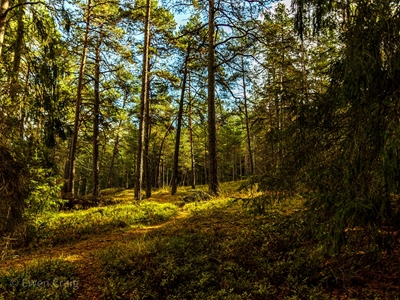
column 192, row 162
column 4, row 5
column 213, row 184
column 163, row 172
column 304, row 71
column 205, row 165
column 143, row 105
column 147, row 130
column 96, row 118
column 72, row 155
column 160, row 154
column 21, row 106
column 240, row 166
column 246, row 116
column 116, row 146
column 178, row 129
column 234, row 164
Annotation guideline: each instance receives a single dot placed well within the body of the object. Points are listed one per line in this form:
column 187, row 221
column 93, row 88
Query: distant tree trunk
column 72, row 155
column 205, row 165
column 193, row 171
column 96, row 118
column 178, row 129
column 246, row 116
column 159, row 159
column 143, row 105
column 116, row 146
column 304, row 71
column 234, row 164
column 162, row 172
column 240, row 167
column 21, row 107
column 4, row 5
column 213, row 184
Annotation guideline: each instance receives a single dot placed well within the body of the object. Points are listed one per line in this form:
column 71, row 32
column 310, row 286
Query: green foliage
column 44, row 192
column 54, row 279
column 355, row 191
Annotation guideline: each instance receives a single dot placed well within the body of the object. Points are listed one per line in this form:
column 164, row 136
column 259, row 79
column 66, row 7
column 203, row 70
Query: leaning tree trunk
column 213, row 184
column 72, row 155
column 143, row 105
column 96, row 115
column 178, row 129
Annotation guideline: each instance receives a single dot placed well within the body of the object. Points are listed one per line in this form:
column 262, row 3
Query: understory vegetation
column 221, row 248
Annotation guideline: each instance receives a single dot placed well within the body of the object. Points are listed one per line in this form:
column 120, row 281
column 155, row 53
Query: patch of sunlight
column 73, row 258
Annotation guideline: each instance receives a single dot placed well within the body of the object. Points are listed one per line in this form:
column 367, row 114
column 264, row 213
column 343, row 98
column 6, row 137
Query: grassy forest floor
column 165, row 248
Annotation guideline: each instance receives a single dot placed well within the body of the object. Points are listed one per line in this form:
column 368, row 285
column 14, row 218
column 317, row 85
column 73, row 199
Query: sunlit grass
column 68, row 226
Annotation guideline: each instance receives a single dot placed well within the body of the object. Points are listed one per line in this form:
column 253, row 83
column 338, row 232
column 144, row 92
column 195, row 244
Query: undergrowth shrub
column 53, row 279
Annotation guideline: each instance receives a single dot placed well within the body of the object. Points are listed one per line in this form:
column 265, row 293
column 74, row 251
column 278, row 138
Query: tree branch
column 4, row 15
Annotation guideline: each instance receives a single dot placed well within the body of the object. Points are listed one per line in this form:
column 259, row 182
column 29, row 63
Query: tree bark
column 178, row 129
column 143, row 105
column 96, row 118
column 213, row 184
column 72, row 155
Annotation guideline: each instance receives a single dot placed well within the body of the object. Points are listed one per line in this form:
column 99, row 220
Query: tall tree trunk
column 143, row 105
column 213, row 184
column 192, row 162
column 147, row 131
column 96, row 118
column 14, row 84
column 246, row 116
column 72, row 155
column 4, row 5
column 178, row 129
